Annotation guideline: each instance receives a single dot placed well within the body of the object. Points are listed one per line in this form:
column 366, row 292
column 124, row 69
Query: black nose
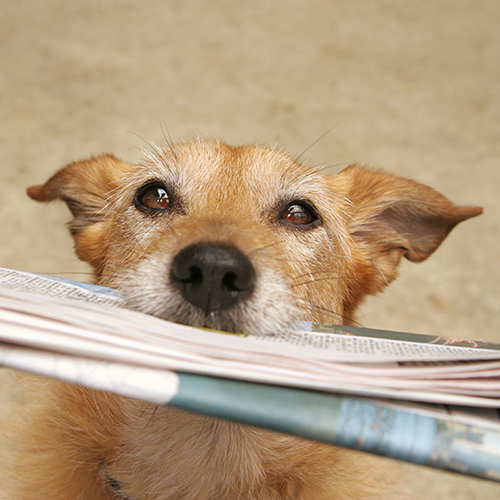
column 212, row 277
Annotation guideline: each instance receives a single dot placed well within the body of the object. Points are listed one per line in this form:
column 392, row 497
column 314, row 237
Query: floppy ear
column 394, row 217
column 85, row 186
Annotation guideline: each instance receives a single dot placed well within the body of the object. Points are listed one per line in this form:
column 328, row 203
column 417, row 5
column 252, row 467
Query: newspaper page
column 57, row 287
column 94, row 326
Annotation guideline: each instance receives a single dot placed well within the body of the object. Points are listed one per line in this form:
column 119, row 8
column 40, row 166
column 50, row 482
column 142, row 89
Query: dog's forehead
column 211, row 168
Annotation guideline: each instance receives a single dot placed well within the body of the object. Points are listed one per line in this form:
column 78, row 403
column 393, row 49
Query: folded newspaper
column 426, row 399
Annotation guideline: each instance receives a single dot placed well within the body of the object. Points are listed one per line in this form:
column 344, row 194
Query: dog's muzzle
column 212, row 277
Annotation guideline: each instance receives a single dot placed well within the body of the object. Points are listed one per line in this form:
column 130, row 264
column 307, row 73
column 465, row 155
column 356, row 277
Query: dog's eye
column 299, row 214
column 153, row 197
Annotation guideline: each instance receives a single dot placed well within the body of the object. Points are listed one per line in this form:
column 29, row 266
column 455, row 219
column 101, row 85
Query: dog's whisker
column 326, row 272
column 334, row 315
column 60, row 273
column 313, row 281
column 146, row 409
column 322, row 136
column 262, row 249
column 320, row 168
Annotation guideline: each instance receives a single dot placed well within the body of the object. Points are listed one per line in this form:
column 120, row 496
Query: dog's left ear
column 392, row 217
column 85, row 187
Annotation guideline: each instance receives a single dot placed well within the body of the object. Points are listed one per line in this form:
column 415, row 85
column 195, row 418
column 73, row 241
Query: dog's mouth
column 214, row 286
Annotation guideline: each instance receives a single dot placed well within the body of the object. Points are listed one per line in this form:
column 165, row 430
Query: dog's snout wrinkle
column 213, row 277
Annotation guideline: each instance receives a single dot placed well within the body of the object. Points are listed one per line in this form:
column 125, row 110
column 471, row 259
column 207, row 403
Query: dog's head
column 246, row 239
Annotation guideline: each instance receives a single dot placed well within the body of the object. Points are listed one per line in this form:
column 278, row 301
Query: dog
column 240, row 239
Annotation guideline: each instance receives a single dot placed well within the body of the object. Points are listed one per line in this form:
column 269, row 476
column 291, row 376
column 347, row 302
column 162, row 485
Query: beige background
column 410, row 86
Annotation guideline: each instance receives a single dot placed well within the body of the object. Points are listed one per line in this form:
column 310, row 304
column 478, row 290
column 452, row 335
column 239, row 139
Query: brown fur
column 82, row 442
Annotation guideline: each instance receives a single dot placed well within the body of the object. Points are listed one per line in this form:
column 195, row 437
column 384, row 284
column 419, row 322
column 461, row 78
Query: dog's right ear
column 85, row 187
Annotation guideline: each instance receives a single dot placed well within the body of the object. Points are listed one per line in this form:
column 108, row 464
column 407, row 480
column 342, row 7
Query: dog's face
column 239, row 239
column 246, row 239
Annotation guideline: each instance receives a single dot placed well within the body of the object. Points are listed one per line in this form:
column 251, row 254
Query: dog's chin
column 243, row 318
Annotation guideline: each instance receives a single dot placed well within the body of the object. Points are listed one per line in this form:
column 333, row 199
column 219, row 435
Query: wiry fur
column 84, row 444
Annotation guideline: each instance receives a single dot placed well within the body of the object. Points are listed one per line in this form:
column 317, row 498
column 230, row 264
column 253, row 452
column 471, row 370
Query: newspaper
column 82, row 321
column 426, row 399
